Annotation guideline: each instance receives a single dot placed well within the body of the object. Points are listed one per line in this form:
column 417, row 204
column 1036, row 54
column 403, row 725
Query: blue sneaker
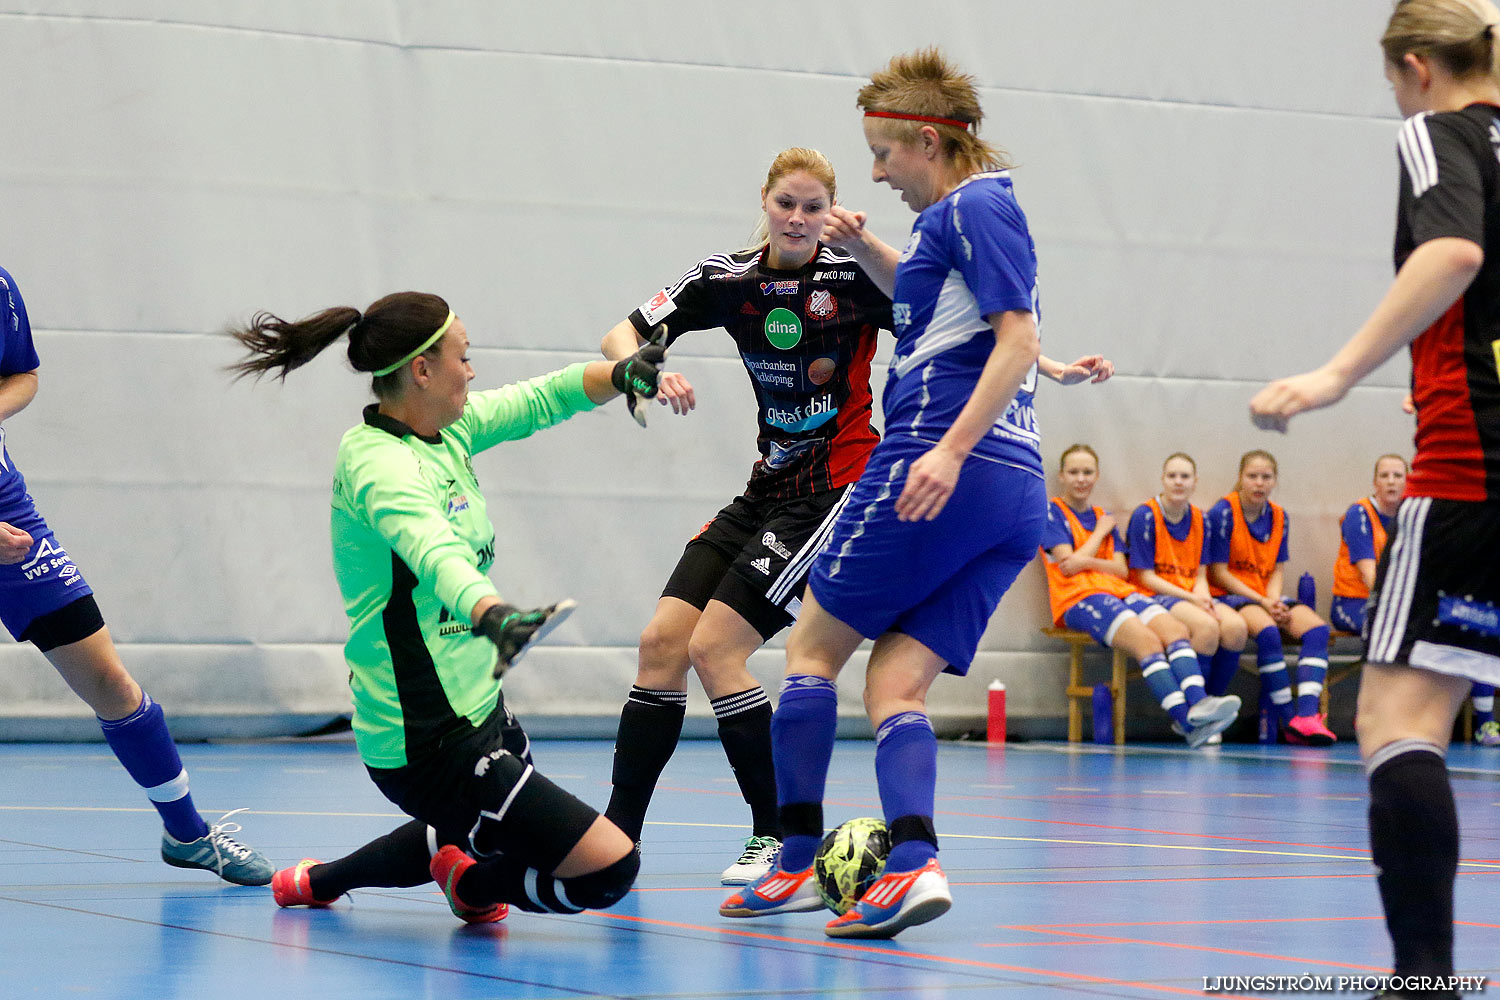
column 896, row 901
column 776, row 891
column 219, row 853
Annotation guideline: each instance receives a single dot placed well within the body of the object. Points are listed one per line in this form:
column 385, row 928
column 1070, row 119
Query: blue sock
column 1484, row 704
column 802, row 731
column 1185, row 670
column 1164, row 687
column 1226, row 663
column 906, row 771
column 1271, row 662
column 143, row 745
column 1312, row 668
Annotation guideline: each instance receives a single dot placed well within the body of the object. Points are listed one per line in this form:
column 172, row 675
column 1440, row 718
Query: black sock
column 400, row 859
column 1414, row 844
column 650, row 725
column 745, row 730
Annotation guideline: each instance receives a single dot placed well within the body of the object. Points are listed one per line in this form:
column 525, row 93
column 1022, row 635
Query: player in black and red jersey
column 805, row 318
column 1433, row 623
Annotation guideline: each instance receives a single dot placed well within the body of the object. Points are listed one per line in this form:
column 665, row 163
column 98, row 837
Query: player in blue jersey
column 951, row 504
column 44, row 600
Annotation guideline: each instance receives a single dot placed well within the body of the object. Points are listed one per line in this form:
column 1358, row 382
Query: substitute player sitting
column 1089, row 592
column 1168, row 558
column 1247, row 548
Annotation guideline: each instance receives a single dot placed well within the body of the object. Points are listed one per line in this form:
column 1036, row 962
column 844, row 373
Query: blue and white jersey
column 970, row 255
column 17, row 354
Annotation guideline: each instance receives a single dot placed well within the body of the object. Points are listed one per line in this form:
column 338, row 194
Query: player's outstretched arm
column 672, row 388
column 1430, row 281
column 1089, row 368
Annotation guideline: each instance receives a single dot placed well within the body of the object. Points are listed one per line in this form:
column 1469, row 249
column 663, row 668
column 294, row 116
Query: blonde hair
column 1063, row 461
column 1182, row 455
column 1400, row 458
column 1458, row 34
column 926, row 83
column 1251, row 456
column 798, row 159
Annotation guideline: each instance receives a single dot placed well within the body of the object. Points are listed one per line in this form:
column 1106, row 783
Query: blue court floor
column 1077, row 872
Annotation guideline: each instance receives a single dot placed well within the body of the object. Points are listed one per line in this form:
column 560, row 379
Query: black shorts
column 1436, row 600
column 754, row 556
column 451, row 786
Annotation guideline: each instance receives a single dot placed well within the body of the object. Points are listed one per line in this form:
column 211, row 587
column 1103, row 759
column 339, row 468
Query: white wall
column 1210, row 187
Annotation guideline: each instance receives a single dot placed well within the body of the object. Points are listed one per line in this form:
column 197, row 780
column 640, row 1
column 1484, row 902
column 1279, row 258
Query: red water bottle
column 995, row 731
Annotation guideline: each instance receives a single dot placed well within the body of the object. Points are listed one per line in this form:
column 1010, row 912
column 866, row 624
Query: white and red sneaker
column 776, row 891
column 895, row 901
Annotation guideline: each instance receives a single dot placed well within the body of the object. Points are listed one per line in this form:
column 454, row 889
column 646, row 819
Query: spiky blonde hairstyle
column 926, row 83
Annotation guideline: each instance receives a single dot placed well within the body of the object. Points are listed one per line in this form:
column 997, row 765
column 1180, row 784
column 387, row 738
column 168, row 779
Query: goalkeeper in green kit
column 429, row 635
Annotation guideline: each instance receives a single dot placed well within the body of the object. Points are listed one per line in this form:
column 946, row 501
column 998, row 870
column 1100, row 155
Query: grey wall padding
column 1210, row 188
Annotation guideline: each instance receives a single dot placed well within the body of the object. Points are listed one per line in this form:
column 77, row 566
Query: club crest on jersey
column 783, row 329
column 658, row 308
column 822, row 305
column 779, row 287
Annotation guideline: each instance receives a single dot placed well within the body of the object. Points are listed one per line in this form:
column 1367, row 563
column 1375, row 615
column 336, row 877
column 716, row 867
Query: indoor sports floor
column 1077, row 872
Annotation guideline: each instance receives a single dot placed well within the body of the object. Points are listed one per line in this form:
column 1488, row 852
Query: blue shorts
column 1348, row 614
column 1236, row 602
column 937, row 581
column 45, row 581
column 1101, row 615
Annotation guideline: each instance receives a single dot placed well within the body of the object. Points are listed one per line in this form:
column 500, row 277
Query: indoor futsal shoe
column 775, row 892
column 1210, row 717
column 1309, row 730
column 759, row 854
column 292, row 887
column 1488, row 735
column 448, row 866
column 219, row 853
column 895, row 901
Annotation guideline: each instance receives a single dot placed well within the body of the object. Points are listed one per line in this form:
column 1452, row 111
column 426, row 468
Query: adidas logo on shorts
column 763, row 564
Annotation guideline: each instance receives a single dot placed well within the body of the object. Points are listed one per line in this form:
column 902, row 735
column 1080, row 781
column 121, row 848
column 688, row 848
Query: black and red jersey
column 806, row 338
column 1450, row 187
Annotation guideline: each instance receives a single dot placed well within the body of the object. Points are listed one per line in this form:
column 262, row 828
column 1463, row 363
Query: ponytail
column 1459, row 34
column 382, row 339
column 274, row 343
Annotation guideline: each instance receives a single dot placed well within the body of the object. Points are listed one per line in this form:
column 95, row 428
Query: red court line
column 1110, row 939
column 897, row 953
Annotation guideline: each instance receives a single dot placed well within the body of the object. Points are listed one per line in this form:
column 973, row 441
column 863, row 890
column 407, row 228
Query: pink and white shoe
column 896, row 901
column 1310, row 730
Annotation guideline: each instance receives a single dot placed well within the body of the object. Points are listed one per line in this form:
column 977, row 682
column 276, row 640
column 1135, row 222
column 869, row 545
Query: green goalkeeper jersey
column 411, row 543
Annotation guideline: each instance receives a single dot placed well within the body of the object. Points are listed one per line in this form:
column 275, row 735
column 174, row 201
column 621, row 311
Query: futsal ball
column 849, row 860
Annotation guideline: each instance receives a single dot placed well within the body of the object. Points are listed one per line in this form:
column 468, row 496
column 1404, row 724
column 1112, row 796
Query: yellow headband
column 420, row 348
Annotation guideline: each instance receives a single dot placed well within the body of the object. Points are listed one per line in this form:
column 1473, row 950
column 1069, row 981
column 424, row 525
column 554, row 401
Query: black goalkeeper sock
column 745, row 730
column 650, row 725
column 1414, row 844
column 400, row 859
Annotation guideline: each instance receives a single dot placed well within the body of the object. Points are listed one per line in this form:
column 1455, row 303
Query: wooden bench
column 1079, row 693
